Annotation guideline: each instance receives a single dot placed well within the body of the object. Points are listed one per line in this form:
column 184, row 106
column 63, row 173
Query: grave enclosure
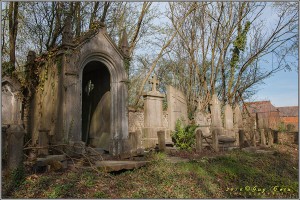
column 82, row 100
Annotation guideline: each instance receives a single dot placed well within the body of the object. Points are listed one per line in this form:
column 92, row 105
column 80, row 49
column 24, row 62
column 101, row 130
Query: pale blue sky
column 281, row 89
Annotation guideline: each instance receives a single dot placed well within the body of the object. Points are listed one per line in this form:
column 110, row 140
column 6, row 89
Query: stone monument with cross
column 153, row 115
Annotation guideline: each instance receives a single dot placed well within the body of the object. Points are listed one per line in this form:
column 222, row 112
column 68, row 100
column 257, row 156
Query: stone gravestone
column 203, row 121
column 153, row 115
column 228, row 119
column 177, row 107
column 216, row 121
column 100, row 123
column 11, row 118
column 262, row 124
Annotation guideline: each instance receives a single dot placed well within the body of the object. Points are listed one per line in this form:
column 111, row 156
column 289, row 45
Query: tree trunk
column 13, row 30
column 93, row 14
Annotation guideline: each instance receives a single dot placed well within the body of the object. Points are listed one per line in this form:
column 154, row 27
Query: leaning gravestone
column 177, row 107
column 100, row 123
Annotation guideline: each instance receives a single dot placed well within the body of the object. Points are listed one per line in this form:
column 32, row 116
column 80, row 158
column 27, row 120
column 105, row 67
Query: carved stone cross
column 154, row 82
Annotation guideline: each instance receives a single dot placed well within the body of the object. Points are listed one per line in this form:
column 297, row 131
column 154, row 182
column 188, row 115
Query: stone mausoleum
column 81, row 97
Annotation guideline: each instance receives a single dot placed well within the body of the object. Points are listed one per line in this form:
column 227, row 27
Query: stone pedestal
column 15, row 146
column 153, row 117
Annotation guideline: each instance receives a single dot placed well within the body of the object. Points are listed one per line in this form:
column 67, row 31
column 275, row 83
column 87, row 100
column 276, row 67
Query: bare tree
column 13, row 30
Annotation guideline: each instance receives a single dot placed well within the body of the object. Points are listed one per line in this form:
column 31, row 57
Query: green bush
column 184, row 136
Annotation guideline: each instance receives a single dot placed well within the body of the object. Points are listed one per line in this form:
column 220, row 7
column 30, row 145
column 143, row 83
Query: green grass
column 233, row 175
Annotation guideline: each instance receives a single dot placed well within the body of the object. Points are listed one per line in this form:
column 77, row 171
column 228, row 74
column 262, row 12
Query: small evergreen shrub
column 184, row 136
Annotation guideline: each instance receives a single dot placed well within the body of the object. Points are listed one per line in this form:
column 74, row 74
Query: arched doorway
column 96, row 105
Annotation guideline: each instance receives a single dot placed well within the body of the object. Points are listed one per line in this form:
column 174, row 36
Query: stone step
column 113, row 166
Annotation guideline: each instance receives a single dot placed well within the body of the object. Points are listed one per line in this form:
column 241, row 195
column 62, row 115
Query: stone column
column 153, row 115
column 215, row 141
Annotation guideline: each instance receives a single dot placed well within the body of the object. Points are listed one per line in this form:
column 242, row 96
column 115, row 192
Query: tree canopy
column 202, row 48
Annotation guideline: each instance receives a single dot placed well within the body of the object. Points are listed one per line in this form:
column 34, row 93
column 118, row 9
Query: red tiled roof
column 260, row 107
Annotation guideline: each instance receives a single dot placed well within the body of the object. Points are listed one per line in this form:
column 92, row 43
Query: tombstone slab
column 15, row 146
column 177, row 107
column 100, row 123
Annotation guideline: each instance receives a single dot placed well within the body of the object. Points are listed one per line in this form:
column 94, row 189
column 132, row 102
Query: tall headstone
column 11, row 118
column 177, row 107
column 216, row 121
column 153, row 115
column 238, row 119
column 100, row 123
column 198, row 134
column 228, row 119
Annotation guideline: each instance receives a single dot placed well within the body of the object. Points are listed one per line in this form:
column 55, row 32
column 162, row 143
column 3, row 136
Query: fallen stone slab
column 249, row 149
column 265, row 152
column 112, row 165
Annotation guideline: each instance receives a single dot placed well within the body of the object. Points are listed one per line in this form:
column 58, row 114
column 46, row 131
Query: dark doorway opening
column 95, row 102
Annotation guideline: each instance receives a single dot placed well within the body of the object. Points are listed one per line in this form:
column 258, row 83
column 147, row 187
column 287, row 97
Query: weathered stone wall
column 45, row 104
column 136, row 120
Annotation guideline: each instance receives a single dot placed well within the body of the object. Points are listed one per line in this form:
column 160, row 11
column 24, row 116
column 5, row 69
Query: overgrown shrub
column 184, row 136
